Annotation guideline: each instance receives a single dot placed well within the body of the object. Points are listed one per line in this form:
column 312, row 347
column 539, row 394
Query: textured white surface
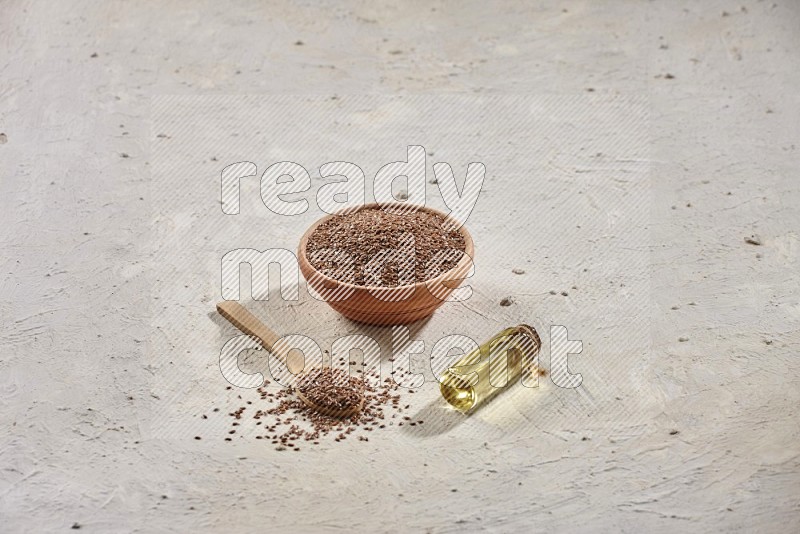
column 83, row 441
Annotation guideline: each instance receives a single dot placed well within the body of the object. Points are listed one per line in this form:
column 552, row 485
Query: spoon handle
column 248, row 323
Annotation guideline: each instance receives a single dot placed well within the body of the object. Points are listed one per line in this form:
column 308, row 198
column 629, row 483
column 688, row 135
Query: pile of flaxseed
column 287, row 422
column 364, row 234
column 331, row 389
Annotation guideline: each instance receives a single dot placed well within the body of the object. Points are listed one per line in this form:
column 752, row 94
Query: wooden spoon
column 248, row 323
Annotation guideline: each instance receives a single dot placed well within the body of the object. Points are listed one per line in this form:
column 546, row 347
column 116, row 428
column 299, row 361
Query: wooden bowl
column 386, row 305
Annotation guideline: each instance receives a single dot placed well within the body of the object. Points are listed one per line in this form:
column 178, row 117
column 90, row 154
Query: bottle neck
column 530, row 333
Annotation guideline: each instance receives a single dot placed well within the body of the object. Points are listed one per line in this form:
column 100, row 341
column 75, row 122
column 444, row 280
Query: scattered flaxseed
column 286, row 419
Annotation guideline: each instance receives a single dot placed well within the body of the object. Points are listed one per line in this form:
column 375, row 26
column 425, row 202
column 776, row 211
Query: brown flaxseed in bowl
column 396, row 266
column 346, row 247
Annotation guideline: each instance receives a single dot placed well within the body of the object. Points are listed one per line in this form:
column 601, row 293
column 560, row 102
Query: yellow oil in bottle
column 492, row 367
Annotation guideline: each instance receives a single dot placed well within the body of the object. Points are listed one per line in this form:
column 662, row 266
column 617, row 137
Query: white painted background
column 85, row 439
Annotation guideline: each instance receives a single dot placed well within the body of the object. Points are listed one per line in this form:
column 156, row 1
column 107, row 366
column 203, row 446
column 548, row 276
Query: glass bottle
column 492, row 367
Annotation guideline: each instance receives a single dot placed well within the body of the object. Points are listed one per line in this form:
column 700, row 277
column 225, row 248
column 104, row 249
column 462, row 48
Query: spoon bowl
column 249, row 324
